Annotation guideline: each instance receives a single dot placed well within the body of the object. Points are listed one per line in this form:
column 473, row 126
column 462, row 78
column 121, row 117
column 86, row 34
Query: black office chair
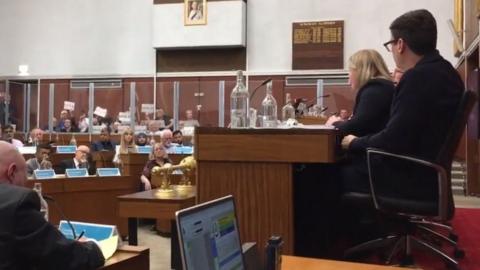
column 416, row 194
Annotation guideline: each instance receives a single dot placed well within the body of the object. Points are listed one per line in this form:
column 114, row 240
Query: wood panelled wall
column 194, row 91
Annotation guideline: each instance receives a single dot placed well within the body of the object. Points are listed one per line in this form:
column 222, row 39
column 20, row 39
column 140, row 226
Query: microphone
column 62, row 214
column 256, row 88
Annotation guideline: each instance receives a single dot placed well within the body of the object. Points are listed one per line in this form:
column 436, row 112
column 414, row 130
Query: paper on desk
column 108, row 246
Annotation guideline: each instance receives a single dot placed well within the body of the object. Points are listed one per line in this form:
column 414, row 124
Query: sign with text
column 317, row 45
column 100, row 111
column 43, row 174
column 74, row 173
column 148, row 108
column 68, row 105
column 66, row 149
column 108, row 172
column 124, row 117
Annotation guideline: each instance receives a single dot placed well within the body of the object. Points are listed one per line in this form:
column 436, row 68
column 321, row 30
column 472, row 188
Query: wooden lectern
column 103, row 159
column 133, row 163
column 255, row 165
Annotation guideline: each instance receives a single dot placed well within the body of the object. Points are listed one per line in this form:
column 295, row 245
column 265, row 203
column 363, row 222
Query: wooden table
column 300, row 263
column 88, row 199
column 153, row 204
column 256, row 166
column 127, row 258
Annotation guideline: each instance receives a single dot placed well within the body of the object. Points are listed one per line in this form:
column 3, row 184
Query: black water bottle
column 274, row 253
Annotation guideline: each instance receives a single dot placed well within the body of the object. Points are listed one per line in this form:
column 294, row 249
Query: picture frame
column 195, row 12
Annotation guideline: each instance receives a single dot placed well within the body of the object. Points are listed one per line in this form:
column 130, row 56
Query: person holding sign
column 28, row 241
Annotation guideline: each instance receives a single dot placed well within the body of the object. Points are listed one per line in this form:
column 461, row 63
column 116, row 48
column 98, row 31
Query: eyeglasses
column 387, row 44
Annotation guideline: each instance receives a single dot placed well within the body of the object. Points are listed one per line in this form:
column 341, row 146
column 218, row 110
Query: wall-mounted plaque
column 317, row 45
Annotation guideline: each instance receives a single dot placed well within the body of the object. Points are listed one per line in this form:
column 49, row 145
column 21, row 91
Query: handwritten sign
column 68, row 105
column 100, row 111
column 148, row 108
column 124, row 117
column 317, row 45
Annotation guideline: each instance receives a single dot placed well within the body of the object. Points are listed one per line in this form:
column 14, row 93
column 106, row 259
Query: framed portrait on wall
column 195, row 12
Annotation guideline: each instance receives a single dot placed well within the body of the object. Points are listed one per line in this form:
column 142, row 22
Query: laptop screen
column 209, row 236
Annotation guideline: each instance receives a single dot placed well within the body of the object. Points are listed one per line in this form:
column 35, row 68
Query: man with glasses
column 423, row 104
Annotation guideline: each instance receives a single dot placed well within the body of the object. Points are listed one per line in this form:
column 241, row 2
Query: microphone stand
column 62, row 214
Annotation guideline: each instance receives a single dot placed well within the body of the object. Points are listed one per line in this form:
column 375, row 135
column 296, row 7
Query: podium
column 133, row 163
column 256, row 167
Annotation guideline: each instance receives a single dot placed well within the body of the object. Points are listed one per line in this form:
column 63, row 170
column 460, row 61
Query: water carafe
column 239, row 107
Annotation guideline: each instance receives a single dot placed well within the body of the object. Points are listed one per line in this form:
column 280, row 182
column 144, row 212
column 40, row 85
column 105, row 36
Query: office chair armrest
column 442, row 177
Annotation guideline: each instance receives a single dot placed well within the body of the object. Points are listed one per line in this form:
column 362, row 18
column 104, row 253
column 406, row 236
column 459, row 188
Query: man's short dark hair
column 418, row 29
column 43, row 146
column 177, row 132
column 7, row 126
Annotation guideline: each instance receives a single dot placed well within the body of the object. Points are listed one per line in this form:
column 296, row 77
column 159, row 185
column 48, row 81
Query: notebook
column 209, row 237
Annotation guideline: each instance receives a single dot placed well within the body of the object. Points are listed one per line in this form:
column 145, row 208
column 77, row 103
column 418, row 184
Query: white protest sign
column 148, row 108
column 68, row 105
column 124, row 117
column 100, row 111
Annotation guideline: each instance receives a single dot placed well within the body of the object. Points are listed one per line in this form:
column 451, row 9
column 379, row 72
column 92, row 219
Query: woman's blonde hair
column 123, row 145
column 369, row 65
column 151, row 156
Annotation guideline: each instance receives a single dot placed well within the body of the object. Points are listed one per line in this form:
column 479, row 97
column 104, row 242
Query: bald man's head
column 82, row 153
column 13, row 169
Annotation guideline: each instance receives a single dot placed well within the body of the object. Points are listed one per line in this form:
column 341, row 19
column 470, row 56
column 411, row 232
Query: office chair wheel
column 459, row 253
column 453, row 237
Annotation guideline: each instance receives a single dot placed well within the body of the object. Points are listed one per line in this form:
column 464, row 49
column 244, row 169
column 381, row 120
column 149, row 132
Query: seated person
column 158, row 157
column 141, row 139
column 167, row 137
column 370, row 79
column 80, row 160
column 104, row 144
column 41, row 160
column 161, row 122
column 29, row 241
column 7, row 135
column 35, row 137
column 68, row 126
column 177, row 137
column 64, row 114
column 127, row 145
column 189, row 121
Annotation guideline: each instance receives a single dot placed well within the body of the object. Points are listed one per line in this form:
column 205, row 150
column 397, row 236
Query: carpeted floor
column 466, row 224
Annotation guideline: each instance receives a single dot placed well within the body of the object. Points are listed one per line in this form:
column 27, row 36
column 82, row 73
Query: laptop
column 209, row 236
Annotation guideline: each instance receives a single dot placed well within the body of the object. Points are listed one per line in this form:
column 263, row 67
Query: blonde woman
column 127, row 145
column 368, row 76
column 158, row 157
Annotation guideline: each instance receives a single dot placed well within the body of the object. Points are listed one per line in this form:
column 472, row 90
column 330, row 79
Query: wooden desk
column 255, row 165
column 152, row 204
column 127, row 258
column 89, row 199
column 300, row 263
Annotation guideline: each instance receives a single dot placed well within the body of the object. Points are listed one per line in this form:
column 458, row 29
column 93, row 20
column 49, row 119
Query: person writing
column 28, row 241
column 158, row 157
column 369, row 77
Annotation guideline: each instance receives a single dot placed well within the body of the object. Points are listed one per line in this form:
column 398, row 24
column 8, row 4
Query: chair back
column 447, row 152
column 392, row 191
